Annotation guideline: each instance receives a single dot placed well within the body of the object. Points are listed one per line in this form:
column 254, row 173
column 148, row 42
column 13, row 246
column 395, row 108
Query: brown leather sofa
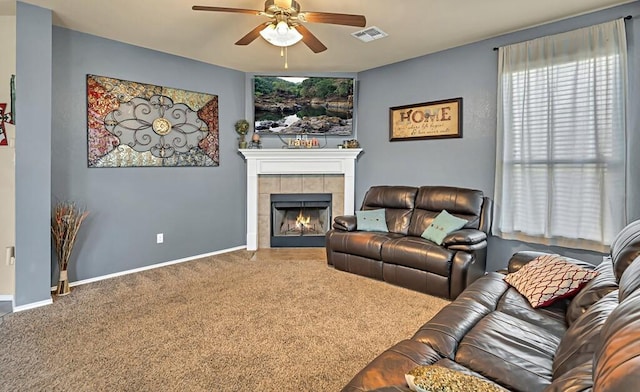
column 590, row 342
column 401, row 256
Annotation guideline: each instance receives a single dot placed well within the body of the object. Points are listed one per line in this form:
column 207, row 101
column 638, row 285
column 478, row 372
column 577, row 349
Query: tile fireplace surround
column 277, row 167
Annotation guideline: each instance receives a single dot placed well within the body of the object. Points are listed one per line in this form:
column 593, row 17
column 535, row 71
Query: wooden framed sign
column 428, row 120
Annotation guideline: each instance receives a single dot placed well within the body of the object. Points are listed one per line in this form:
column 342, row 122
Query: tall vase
column 63, row 284
column 242, row 142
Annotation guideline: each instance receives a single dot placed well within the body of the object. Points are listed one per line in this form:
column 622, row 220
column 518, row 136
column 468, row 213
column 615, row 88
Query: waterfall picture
column 303, row 105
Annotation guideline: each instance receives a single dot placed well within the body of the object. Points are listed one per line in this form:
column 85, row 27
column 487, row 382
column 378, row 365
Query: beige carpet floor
column 272, row 320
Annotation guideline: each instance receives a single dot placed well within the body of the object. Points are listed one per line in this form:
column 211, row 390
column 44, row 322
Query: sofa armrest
column 345, row 223
column 523, row 257
column 465, row 239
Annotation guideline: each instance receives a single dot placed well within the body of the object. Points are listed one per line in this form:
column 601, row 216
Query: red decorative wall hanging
column 7, row 117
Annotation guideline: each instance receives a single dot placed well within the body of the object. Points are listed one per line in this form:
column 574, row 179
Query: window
column 560, row 172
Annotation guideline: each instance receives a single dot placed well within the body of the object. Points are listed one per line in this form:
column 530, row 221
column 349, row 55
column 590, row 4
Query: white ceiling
column 415, row 28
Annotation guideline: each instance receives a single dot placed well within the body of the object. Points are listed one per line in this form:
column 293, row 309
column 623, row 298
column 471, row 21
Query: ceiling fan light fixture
column 282, row 28
column 281, row 34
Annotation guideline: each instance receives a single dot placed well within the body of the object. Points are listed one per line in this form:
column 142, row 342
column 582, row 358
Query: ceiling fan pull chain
column 286, row 55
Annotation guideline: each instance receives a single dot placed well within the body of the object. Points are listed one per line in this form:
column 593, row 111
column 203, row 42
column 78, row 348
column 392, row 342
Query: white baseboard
column 109, row 276
column 6, row 297
column 32, row 305
column 153, row 266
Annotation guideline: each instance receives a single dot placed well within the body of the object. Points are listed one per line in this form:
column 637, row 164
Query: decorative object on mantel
column 132, row 124
column 351, row 143
column 242, row 128
column 303, row 141
column 65, row 224
column 255, row 141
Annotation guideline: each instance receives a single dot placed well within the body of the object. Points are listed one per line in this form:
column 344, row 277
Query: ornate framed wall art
column 132, row 124
column 3, row 133
column 428, row 120
column 8, row 117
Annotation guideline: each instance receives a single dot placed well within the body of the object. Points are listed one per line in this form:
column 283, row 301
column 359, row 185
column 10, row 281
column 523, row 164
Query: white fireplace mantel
column 296, row 161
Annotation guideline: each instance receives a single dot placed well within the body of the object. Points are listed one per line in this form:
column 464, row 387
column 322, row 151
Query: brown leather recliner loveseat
column 590, row 342
column 401, row 256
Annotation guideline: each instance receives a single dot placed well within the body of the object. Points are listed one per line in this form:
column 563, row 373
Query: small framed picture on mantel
column 427, row 120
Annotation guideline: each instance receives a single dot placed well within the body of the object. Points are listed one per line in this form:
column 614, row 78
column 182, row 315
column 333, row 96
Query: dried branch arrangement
column 65, row 224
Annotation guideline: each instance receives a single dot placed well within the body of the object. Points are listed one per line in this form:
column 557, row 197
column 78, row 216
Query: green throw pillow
column 372, row 220
column 441, row 226
column 434, row 378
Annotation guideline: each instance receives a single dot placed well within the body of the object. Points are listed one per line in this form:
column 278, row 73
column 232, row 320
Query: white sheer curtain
column 561, row 150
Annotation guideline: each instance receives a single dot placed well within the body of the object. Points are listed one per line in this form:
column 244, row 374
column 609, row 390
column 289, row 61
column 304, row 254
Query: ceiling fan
column 284, row 28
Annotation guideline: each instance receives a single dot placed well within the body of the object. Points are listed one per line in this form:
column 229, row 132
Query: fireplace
column 300, row 219
column 277, row 170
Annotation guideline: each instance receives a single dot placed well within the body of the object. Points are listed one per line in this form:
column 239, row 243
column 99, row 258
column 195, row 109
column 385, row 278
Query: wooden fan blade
column 252, row 35
column 310, row 40
column 340, row 19
column 223, row 9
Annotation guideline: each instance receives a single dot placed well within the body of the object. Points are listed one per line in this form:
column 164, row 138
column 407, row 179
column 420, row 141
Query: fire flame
column 302, row 220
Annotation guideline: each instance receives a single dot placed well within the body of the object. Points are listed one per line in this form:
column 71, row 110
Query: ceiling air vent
column 369, row 34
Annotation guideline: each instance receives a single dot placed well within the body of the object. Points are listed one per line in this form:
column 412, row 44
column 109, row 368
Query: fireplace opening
column 300, row 219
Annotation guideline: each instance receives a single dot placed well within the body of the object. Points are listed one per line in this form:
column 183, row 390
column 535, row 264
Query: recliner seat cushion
column 551, row 318
column 361, row 243
column 418, row 253
column 509, row 351
column 449, row 326
column 413, row 279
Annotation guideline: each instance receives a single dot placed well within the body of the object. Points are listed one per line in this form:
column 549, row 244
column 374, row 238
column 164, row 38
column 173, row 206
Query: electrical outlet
column 159, row 238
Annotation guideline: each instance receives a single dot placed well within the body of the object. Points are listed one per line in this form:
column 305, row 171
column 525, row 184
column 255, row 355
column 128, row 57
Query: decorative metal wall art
column 3, row 119
column 133, row 124
column 7, row 117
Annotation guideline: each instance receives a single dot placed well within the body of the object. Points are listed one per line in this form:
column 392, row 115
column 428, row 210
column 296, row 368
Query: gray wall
column 469, row 72
column 33, row 154
column 199, row 210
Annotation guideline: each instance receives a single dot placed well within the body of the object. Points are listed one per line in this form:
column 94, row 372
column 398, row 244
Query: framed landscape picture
column 314, row 105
